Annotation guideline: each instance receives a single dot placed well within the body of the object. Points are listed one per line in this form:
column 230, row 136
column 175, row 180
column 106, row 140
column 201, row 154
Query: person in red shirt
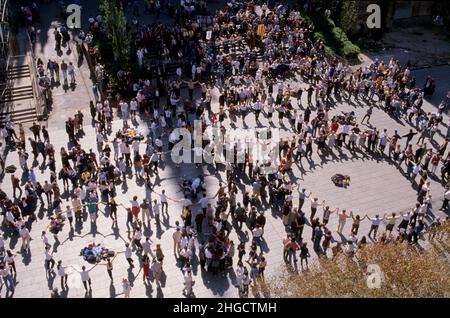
column 292, row 247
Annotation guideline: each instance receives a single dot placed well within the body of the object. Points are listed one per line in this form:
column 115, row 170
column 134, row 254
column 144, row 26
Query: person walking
column 128, row 254
column 368, row 114
column 71, row 72
column 5, row 273
column 145, row 211
column 177, row 237
column 137, row 238
column 26, row 238
column 445, row 201
column 159, row 254
column 164, row 204
column 61, row 270
column 9, row 260
column 188, row 283
column 145, row 267
column 49, row 261
column 157, row 270
column 64, row 68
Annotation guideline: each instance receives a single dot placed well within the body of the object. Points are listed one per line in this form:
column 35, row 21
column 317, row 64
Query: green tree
column 399, row 269
column 115, row 22
column 335, row 7
column 349, row 15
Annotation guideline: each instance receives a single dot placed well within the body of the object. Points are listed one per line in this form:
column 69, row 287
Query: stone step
column 20, row 116
column 17, row 93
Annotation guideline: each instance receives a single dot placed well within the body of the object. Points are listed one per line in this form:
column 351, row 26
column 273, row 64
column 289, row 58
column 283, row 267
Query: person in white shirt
column 62, row 273
column 177, row 237
column 125, row 151
column 133, row 107
column 375, row 224
column 445, row 201
column 185, row 203
column 257, row 234
column 156, row 269
column 45, row 239
column 49, row 261
column 137, row 238
column 69, row 215
column 163, row 200
column 5, row 273
column 11, row 220
column 25, row 235
column 122, row 166
column 258, row 107
column 85, row 277
column 128, row 254
column 147, row 247
column 314, row 205
column 156, row 211
column 9, row 260
column 185, row 255
column 135, row 146
column 124, row 110
column 204, row 203
column 154, row 162
column 159, row 145
column 188, row 282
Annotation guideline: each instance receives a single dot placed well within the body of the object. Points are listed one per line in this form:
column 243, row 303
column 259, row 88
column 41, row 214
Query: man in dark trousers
column 310, row 91
column 36, row 129
column 368, row 114
column 409, row 136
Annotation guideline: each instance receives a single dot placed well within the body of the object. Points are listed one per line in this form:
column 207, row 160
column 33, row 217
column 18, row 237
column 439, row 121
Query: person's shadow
column 112, row 290
column 88, row 293
column 148, row 290
column 50, row 279
column 64, row 292
column 159, row 292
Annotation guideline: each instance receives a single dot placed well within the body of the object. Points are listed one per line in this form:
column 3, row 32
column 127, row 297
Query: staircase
column 17, row 96
column 13, row 94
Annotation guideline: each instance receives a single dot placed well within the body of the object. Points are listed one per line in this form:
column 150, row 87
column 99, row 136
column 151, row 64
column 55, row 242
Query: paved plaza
column 378, row 186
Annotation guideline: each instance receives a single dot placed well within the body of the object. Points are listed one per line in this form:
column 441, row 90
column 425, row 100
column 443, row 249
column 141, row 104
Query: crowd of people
column 255, row 57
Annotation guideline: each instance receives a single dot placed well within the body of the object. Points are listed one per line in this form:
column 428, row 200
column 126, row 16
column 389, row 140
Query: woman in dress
column 331, row 140
column 146, row 267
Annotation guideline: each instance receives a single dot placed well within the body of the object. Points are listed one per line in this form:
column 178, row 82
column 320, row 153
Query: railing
column 4, row 28
column 38, row 95
column 7, row 79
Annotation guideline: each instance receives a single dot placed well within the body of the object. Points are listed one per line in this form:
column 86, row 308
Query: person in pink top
column 343, row 216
